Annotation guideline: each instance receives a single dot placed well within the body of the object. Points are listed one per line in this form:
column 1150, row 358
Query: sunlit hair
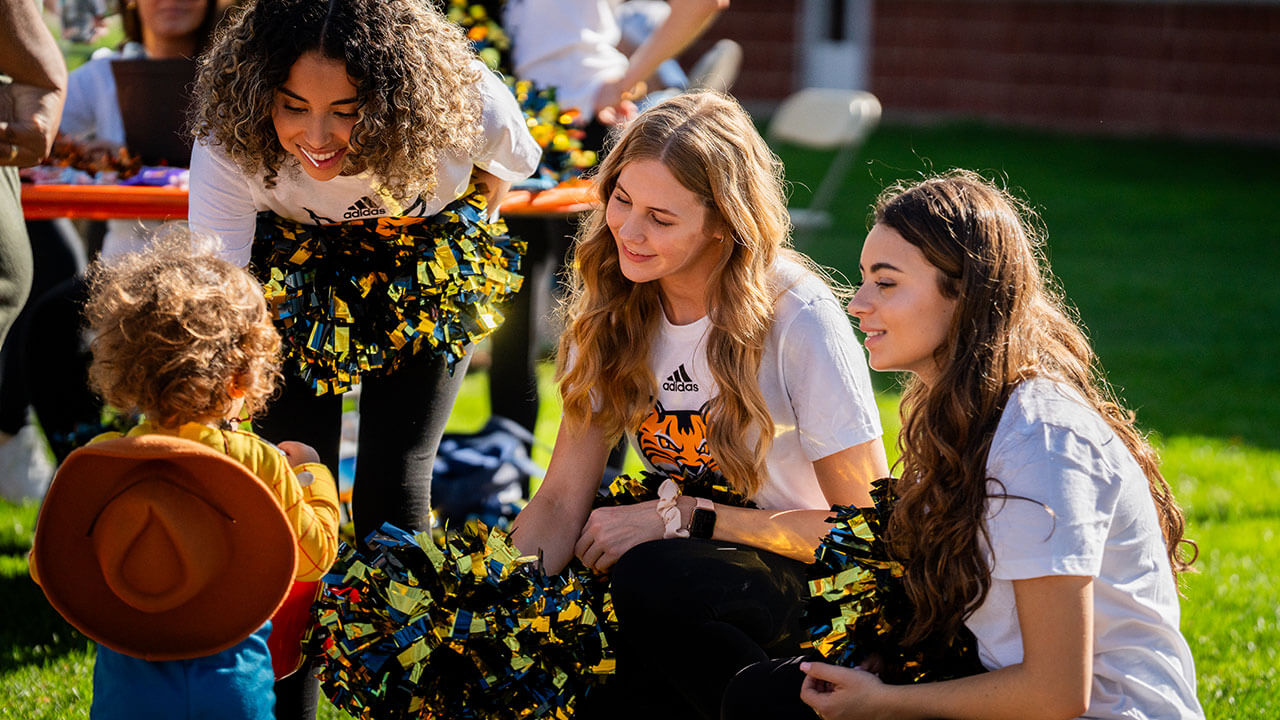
column 708, row 143
column 174, row 327
column 131, row 22
column 1010, row 324
column 412, row 69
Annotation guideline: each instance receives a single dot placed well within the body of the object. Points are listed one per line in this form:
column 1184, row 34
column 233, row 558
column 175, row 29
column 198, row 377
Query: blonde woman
column 695, row 330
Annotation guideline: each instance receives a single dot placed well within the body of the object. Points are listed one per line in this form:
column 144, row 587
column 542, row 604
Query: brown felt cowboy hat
column 162, row 548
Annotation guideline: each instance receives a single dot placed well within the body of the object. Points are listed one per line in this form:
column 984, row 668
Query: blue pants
column 233, row 684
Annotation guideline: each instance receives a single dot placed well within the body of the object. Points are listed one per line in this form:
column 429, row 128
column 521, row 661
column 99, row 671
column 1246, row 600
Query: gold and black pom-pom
column 859, row 608
column 454, row 625
column 357, row 298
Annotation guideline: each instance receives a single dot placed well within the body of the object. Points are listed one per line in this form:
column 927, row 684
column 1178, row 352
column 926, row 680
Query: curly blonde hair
column 412, row 68
column 709, row 144
column 176, row 329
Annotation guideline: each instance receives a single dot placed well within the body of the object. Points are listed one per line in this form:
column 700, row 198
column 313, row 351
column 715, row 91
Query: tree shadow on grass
column 32, row 631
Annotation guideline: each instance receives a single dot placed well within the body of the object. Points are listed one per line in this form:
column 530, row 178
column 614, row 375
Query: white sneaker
column 25, row 469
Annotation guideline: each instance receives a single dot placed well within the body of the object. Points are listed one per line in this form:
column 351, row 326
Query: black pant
column 402, row 416
column 691, row 614
column 58, row 256
column 513, row 379
column 768, row 690
column 15, row 251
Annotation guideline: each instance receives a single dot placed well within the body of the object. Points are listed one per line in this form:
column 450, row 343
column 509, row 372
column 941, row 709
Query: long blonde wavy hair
column 708, row 143
column 1010, row 324
column 412, row 69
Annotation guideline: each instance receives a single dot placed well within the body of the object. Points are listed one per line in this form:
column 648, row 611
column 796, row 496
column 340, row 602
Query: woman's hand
column 612, row 531
column 841, row 693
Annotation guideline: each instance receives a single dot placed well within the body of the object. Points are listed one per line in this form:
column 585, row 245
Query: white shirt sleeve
column 507, row 149
column 77, row 114
column 827, row 381
column 1061, row 527
column 220, row 203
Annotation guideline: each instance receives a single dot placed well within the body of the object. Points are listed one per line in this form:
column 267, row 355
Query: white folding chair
column 717, row 68
column 824, row 119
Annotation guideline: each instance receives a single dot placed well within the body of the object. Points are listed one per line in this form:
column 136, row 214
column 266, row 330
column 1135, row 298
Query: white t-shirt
column 92, row 112
column 224, row 202
column 570, row 45
column 814, row 378
column 1052, row 448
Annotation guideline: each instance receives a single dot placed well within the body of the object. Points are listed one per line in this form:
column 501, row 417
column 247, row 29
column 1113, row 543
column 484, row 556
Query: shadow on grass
column 33, row 631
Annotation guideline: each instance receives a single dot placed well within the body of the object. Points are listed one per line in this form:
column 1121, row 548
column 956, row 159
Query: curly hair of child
column 180, row 334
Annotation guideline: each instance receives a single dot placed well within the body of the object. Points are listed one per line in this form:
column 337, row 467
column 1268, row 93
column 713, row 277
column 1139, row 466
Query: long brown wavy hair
column 174, row 326
column 707, row 141
column 1010, row 324
column 412, row 69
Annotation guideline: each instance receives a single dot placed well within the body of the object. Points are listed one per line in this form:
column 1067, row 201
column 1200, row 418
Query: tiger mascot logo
column 676, row 439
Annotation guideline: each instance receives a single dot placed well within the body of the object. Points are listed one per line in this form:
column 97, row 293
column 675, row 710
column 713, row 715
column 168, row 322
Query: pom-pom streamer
column 358, row 297
column 455, row 625
column 860, row 609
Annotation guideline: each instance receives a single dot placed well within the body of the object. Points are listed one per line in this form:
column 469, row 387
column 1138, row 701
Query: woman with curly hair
column 185, row 337
column 1031, row 511
column 336, row 142
column 694, row 329
column 351, row 149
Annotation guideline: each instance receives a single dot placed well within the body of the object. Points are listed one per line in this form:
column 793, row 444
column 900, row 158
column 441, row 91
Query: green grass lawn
column 1166, row 247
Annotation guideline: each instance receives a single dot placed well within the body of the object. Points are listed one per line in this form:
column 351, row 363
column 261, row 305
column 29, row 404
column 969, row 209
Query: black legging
column 513, row 372
column 691, row 614
column 402, row 416
column 768, row 690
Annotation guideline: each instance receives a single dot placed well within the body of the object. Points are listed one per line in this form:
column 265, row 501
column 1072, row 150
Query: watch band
column 702, row 524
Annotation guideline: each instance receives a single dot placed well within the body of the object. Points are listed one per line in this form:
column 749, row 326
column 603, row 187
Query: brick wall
column 1169, row 68
column 767, row 32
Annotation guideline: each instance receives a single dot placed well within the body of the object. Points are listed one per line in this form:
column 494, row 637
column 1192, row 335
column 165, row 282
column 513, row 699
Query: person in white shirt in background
column 573, row 46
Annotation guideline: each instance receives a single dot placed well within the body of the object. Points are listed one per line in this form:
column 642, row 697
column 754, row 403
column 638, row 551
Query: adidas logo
column 364, row 207
column 679, row 381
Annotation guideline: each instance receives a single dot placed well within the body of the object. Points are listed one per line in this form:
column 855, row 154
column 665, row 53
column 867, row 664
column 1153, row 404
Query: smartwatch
column 703, row 522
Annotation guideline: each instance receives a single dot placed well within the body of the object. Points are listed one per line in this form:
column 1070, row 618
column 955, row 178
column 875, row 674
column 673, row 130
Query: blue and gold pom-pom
column 860, row 609
column 357, row 298
column 454, row 625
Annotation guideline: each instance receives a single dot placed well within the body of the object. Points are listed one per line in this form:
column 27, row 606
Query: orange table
column 102, row 202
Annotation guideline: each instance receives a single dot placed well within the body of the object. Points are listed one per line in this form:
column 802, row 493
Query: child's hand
column 298, row 453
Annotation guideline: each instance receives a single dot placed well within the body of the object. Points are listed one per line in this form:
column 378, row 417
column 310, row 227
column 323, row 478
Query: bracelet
column 667, row 510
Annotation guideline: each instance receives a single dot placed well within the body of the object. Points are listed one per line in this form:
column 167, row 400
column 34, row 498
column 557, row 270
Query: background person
column 573, row 46
column 30, row 106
